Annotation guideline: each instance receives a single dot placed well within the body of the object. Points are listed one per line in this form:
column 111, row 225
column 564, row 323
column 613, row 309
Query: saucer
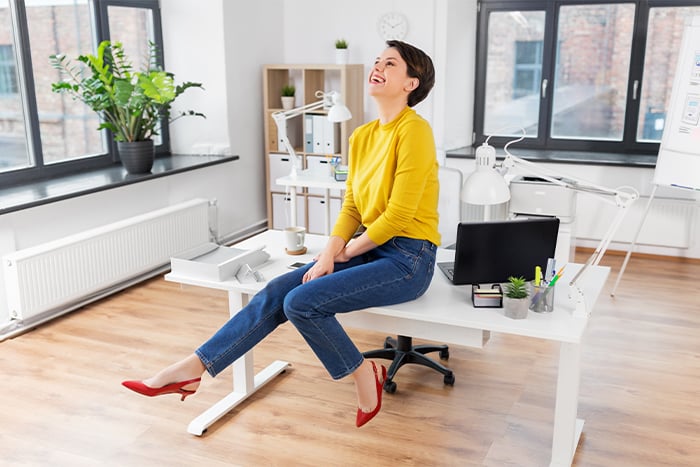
column 296, row 252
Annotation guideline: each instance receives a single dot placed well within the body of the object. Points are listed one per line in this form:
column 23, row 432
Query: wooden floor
column 62, row 403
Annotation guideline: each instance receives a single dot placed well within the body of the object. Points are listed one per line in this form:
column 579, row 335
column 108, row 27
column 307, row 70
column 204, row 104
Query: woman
column 392, row 191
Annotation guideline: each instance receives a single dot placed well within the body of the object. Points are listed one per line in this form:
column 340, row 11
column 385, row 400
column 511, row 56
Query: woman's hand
column 325, row 260
column 324, row 265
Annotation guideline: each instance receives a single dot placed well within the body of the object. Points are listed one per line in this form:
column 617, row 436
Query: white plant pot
column 287, row 102
column 341, row 56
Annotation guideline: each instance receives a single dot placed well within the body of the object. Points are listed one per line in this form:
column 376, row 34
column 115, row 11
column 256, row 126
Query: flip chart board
column 678, row 162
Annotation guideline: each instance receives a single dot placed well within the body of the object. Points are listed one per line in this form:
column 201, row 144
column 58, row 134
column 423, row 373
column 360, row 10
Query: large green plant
column 130, row 103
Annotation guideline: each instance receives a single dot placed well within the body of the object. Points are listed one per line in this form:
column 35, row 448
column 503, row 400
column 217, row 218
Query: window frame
column 39, row 170
column 628, row 145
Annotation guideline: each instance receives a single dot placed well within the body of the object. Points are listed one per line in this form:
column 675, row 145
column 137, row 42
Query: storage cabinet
column 316, row 207
column 316, row 141
column 281, row 209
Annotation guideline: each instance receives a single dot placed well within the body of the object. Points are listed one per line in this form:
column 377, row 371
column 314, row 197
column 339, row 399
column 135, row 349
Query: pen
column 538, row 276
column 551, row 268
column 556, row 276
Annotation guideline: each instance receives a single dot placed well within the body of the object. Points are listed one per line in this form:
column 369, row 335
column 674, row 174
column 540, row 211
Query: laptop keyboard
column 448, row 269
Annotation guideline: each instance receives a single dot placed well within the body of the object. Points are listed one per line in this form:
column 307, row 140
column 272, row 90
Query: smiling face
column 388, row 79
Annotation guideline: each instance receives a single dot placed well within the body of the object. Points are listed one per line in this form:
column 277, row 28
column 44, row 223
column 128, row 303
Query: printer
column 539, row 197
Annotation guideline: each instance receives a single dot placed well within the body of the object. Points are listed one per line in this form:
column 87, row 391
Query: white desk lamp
column 485, row 186
column 621, row 197
column 337, row 112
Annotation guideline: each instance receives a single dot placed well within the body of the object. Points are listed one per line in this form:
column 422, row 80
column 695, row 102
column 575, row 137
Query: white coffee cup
column 294, row 238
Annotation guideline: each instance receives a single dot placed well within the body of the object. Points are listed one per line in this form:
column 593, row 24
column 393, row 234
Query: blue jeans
column 397, row 271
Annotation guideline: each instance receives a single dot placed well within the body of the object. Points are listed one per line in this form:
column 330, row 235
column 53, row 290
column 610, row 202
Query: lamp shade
column 338, row 111
column 485, row 186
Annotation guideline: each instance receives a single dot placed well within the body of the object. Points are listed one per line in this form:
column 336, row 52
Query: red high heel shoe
column 174, row 388
column 364, row 417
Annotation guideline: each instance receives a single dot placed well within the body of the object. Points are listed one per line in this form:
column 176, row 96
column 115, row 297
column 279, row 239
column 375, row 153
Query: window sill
column 568, row 157
column 34, row 194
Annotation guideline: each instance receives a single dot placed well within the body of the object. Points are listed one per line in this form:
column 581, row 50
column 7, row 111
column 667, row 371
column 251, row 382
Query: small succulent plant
column 516, row 287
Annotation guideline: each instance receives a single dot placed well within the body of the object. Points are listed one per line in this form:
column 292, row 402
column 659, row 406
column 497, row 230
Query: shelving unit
column 308, row 79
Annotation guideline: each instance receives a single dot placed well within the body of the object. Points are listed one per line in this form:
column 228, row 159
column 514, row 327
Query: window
column 513, row 71
column 8, row 71
column 662, row 44
column 528, row 68
column 44, row 134
column 574, row 75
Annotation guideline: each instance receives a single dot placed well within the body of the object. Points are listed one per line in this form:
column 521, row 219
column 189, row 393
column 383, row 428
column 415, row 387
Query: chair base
column 402, row 351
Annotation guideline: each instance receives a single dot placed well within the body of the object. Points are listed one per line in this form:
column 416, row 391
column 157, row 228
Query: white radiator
column 669, row 222
column 58, row 274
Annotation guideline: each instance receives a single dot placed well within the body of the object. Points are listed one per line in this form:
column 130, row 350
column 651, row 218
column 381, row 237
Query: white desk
column 311, row 179
column 443, row 314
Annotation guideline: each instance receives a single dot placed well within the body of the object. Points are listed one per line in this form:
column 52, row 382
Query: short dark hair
column 419, row 65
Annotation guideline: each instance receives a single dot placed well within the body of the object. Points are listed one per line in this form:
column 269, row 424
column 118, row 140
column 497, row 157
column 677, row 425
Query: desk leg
column 293, row 205
column 245, row 382
column 567, row 428
column 327, row 199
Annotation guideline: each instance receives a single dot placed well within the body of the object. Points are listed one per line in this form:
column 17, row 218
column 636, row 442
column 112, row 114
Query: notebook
column 491, row 251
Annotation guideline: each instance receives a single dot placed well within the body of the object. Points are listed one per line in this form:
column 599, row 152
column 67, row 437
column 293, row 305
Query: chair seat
column 402, row 351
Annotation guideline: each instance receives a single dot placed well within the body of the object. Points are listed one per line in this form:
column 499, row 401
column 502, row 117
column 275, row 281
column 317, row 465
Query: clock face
column 392, row 26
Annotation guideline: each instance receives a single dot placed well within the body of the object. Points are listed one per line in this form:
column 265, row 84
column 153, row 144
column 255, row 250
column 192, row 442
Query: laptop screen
column 491, row 251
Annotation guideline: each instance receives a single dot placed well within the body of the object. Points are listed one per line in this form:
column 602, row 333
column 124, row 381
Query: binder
column 318, row 126
column 308, row 133
column 290, row 128
column 331, row 137
column 272, row 139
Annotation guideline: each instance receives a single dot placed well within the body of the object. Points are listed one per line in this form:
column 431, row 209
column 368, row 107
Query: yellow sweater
column 392, row 187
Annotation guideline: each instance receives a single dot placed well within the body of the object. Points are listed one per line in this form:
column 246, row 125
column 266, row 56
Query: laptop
column 491, row 251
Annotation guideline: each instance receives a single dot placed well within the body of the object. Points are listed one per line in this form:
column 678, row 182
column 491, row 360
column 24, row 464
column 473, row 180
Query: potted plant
column 515, row 301
column 130, row 103
column 341, row 51
column 288, row 92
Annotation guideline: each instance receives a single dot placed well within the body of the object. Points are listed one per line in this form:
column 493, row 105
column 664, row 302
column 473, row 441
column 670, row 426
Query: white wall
column 450, row 48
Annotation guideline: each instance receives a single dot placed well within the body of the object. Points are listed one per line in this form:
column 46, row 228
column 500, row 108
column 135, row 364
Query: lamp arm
column 292, row 155
column 593, row 260
column 282, row 115
column 511, row 161
column 331, row 98
column 622, row 198
column 621, row 195
column 326, row 99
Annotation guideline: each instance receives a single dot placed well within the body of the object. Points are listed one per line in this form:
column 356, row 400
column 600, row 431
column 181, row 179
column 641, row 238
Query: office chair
column 400, row 350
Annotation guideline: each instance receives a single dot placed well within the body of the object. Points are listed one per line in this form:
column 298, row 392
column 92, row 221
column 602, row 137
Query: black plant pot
column 137, row 156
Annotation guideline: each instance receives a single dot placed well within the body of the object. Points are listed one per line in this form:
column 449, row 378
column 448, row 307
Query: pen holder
column 542, row 298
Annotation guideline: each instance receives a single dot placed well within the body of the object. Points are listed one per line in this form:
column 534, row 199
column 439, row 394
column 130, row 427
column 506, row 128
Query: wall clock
column 392, row 25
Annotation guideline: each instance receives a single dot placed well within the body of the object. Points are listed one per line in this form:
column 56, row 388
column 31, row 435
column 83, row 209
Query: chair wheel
column 387, row 343
column 390, row 387
column 449, row 379
column 444, row 354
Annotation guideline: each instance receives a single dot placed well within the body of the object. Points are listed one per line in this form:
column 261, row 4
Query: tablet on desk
column 491, row 251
